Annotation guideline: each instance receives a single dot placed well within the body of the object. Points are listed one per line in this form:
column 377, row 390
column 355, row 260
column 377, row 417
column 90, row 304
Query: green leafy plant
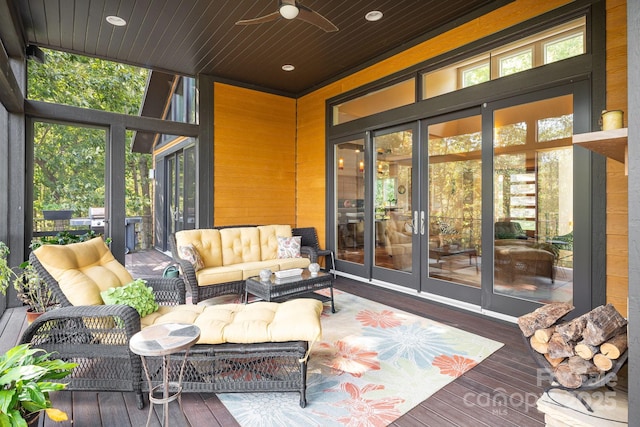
column 25, row 383
column 135, row 294
column 6, row 273
column 63, row 238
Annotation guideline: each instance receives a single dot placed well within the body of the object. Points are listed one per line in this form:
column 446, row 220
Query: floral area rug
column 373, row 364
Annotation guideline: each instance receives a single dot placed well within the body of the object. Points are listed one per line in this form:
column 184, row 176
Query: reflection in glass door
column 350, row 185
column 533, row 201
column 455, row 201
column 394, row 226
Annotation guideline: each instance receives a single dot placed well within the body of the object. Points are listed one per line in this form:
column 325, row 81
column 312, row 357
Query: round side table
column 164, row 340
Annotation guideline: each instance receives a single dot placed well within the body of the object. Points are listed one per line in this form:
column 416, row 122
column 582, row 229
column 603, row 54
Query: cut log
column 543, row 317
column 602, row 362
column 567, row 378
column 603, row 322
column 613, row 348
column 540, row 347
column 572, row 330
column 585, row 350
column 554, row 362
column 581, row 366
column 558, row 347
column 544, row 335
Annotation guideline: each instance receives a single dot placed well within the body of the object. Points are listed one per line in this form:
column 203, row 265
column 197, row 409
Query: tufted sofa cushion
column 293, row 320
column 83, row 270
column 206, row 242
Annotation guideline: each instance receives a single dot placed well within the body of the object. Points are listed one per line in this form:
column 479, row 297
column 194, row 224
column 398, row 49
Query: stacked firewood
column 578, row 349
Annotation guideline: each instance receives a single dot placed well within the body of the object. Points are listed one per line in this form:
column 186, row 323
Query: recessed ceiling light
column 374, row 15
column 288, row 67
column 116, row 20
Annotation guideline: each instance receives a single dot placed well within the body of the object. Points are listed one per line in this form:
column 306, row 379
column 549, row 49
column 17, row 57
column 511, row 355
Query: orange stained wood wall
column 617, row 208
column 254, row 157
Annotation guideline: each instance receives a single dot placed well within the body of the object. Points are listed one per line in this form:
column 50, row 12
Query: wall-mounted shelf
column 610, row 143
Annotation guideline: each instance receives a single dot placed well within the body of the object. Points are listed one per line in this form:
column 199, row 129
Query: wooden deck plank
column 137, row 417
column 13, row 322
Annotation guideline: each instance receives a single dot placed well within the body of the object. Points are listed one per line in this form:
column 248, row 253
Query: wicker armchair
column 97, row 336
column 311, row 247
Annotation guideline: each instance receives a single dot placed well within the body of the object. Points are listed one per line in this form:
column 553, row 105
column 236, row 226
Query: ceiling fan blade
column 262, row 19
column 308, row 15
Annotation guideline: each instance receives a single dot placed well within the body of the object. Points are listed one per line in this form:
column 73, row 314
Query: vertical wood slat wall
column 617, row 183
column 254, row 157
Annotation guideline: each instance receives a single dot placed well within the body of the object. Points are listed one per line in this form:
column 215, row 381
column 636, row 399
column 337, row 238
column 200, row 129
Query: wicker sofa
column 256, row 347
column 516, row 257
column 230, row 255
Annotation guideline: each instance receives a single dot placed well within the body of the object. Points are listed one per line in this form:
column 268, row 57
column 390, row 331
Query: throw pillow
column 135, row 294
column 289, row 247
column 191, row 254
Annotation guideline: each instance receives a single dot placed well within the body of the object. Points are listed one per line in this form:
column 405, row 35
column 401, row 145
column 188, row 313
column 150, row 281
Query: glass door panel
column 393, row 231
column 533, row 201
column 455, row 201
column 350, row 193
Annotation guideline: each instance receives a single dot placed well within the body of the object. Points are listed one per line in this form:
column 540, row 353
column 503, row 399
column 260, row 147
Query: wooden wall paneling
column 254, row 152
column 617, row 182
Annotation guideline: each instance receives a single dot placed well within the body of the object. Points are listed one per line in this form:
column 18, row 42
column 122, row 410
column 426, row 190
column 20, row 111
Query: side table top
column 160, row 340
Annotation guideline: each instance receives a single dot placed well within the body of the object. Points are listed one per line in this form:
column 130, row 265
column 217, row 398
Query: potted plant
column 25, row 384
column 32, row 291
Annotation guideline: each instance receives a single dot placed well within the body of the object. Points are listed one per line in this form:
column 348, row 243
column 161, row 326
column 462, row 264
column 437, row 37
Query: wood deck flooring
column 500, row 391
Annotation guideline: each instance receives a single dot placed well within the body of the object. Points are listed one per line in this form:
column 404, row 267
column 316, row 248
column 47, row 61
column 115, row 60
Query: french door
column 180, row 190
column 476, row 206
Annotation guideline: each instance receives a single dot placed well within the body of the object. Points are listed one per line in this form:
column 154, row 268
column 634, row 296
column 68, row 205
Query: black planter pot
column 57, row 215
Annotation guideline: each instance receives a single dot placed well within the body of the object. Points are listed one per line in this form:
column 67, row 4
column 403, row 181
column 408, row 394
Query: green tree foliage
column 70, row 160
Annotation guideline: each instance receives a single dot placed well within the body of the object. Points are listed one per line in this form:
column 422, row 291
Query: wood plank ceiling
column 200, row 36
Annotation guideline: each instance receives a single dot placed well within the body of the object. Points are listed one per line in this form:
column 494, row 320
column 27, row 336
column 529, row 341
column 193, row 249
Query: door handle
column 414, row 223
column 422, row 223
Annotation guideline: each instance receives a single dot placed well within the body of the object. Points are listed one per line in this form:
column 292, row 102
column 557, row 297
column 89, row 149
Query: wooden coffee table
column 276, row 289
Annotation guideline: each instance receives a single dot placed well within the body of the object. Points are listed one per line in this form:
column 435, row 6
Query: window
column 516, row 62
column 476, row 74
column 385, row 99
column 561, row 42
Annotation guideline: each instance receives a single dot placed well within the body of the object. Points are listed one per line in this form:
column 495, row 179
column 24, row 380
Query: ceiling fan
column 291, row 9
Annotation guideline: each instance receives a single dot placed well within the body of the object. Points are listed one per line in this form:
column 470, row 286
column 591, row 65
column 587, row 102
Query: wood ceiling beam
column 10, row 94
column 11, row 30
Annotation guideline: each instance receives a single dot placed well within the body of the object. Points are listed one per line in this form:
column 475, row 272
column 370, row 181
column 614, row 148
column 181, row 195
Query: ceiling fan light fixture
column 374, row 15
column 116, row 21
column 289, row 11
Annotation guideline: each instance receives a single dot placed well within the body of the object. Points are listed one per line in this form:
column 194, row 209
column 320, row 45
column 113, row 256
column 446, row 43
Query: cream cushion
column 293, row 320
column 240, row 244
column 206, row 242
column 83, row 270
column 269, row 239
